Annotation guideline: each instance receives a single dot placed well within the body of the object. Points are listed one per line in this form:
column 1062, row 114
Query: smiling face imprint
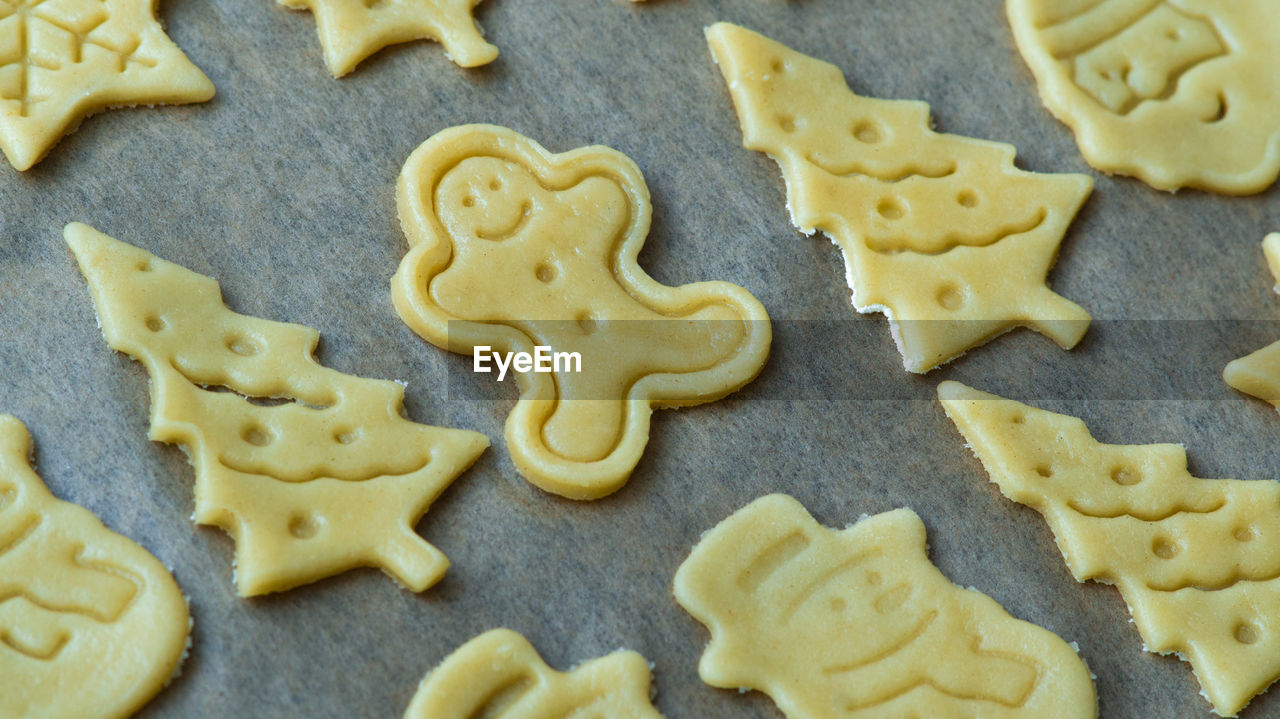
column 486, row 198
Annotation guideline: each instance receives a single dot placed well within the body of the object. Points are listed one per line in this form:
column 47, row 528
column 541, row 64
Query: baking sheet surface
column 283, row 189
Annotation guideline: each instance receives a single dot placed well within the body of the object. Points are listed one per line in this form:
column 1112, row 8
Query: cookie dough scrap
column 499, row 675
column 1195, row 559
column 1180, row 93
column 91, row 624
column 513, row 247
column 941, row 233
column 858, row 623
column 312, row 471
column 62, row 60
column 1259, row 373
column 352, row 30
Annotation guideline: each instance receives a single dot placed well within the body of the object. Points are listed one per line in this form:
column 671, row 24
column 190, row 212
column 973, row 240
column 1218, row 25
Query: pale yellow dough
column 499, row 675
column 91, row 625
column 1196, row 560
column 1180, row 93
column 939, row 232
column 512, row 246
column 859, row 624
column 1259, row 373
column 61, row 60
column 352, row 30
column 331, row 478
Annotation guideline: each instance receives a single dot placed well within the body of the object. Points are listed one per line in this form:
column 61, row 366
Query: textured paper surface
column 282, row 188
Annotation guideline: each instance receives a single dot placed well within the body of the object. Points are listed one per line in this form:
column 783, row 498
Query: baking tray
column 282, row 187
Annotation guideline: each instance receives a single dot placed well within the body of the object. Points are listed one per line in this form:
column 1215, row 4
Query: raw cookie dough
column 1195, row 559
column 941, row 233
column 1259, row 373
column 499, row 675
column 514, row 247
column 859, row 623
column 91, row 625
column 330, row 478
column 62, row 60
column 352, row 30
column 1181, row 93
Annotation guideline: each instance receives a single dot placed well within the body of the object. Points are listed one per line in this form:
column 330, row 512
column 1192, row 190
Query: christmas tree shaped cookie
column 858, row 623
column 1195, row 559
column 91, row 625
column 1259, row 373
column 326, row 476
column 352, row 30
column 61, row 60
column 941, row 233
column 1180, row 93
column 499, row 675
column 514, row 248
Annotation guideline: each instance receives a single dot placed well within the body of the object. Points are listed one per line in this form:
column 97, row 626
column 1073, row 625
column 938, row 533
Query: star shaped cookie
column 62, row 60
column 352, row 30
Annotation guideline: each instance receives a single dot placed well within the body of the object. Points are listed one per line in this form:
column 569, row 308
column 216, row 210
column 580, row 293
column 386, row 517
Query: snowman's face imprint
column 486, row 198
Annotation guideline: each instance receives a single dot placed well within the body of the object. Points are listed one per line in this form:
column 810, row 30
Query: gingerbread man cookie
column 514, row 248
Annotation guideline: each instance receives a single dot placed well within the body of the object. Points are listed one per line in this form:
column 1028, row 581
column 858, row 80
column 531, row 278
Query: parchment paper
column 283, row 189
